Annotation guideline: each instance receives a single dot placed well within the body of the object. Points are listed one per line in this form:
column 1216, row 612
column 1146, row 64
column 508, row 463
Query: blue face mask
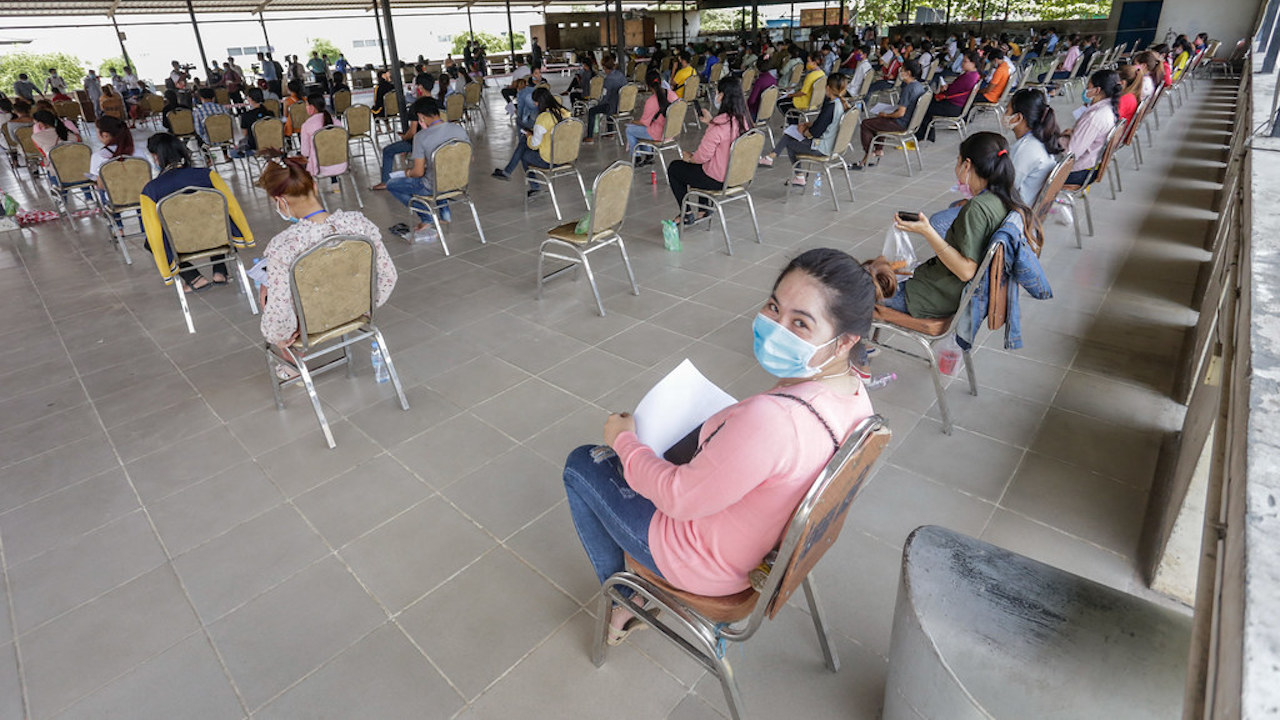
column 286, row 216
column 1084, row 96
column 781, row 352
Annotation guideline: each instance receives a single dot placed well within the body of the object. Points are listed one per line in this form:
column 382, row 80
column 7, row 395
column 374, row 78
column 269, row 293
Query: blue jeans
column 404, row 188
column 389, row 154
column 636, row 133
column 610, row 517
column 525, row 155
column 899, row 300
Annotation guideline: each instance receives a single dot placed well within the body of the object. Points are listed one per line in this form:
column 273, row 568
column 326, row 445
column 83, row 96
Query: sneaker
column 498, row 173
column 766, row 161
column 798, row 181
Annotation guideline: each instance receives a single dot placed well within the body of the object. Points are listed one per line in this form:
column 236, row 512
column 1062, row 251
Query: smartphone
column 907, row 216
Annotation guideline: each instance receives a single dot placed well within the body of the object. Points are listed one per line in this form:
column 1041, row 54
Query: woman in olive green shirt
column 985, row 172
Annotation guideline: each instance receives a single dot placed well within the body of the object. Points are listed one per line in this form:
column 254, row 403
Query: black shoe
column 498, row 173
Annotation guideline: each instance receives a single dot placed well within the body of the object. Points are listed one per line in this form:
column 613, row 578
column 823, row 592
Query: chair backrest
column 691, row 88
column 219, row 128
column 181, row 122
column 1114, row 139
column 717, row 72
column 454, row 107
column 472, row 93
column 221, row 96
column 71, row 162
column 25, row 141
column 921, row 108
column 627, row 98
column 818, row 93
column 273, row 105
column 638, row 72
column 155, row 103
column 744, row 158
column 595, row 88
column 298, row 116
column 124, row 178
column 748, row 79
column 818, row 519
column 867, row 79
column 341, row 101
column 268, row 134
column 768, row 103
column 451, row 165
column 845, row 132
column 676, row 112
column 359, row 120
column 796, row 72
column 1053, row 185
column 190, row 218
column 566, row 141
column 968, row 103
column 390, row 105
column 69, row 109
column 334, row 283
column 330, row 145
column 609, row 196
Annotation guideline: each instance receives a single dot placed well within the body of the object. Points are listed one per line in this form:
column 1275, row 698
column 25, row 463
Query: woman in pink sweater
column 705, row 524
column 706, row 167
column 653, row 119
column 318, row 118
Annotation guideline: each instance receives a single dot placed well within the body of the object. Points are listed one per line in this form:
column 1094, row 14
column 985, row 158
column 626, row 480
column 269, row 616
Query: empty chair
column 606, row 212
column 273, row 105
column 182, row 124
column 341, row 101
column 190, row 221
column 743, row 158
column 221, row 96
column 297, row 116
column 333, row 288
column 566, row 145
column 359, row 121
column 768, row 103
column 613, row 124
column 122, row 180
column 388, row 122
column 824, row 164
column 473, row 105
column 30, row 152
column 331, row 149
column 450, row 180
column 670, row 139
column 70, row 163
column 702, row 626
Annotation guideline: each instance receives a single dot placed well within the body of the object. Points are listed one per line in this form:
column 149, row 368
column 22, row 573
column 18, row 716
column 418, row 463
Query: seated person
column 1035, row 126
column 1088, row 137
column 422, row 84
column 117, row 142
column 704, row 525
column 171, row 102
column 49, row 131
column 535, row 151
column 802, row 99
column 255, row 112
column 999, row 80
column 984, row 170
column 706, row 167
column 820, row 136
column 318, row 118
column 580, row 83
column 895, row 120
column 950, row 99
column 433, row 131
column 653, row 119
column 614, row 81
column 170, row 154
column 767, row 78
column 292, row 191
column 207, row 106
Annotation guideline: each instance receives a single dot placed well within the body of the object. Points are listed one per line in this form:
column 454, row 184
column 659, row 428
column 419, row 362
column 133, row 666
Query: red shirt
column 1128, row 106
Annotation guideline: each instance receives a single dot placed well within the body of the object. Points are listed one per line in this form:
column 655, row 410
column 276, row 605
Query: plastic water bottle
column 879, row 381
column 817, row 185
column 380, row 373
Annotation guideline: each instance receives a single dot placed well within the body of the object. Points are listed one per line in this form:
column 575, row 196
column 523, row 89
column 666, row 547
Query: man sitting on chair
column 433, row 131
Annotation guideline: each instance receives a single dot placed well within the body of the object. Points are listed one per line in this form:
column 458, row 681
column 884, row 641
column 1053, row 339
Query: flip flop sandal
column 223, row 281
column 192, row 289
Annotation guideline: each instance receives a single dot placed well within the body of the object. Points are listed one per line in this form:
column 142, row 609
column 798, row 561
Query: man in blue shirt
column 614, row 81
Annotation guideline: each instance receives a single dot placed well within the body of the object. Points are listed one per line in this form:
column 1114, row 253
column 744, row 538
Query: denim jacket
column 1023, row 269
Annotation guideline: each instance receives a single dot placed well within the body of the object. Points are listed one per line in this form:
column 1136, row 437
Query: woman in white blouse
column 1088, row 137
column 1032, row 121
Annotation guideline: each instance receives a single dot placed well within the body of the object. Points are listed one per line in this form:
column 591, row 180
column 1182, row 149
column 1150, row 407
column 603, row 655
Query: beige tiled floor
column 174, row 546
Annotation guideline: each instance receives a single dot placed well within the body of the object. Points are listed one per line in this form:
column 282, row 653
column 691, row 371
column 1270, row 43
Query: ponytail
column 1039, row 116
column 48, row 119
column 317, row 101
column 653, row 79
column 285, row 176
column 121, row 138
column 988, row 153
column 1108, row 81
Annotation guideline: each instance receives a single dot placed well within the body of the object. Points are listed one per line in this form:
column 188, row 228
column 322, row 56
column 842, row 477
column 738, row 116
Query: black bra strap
column 834, row 442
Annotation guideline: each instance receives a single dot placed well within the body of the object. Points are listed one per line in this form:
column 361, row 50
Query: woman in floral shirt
column 293, row 191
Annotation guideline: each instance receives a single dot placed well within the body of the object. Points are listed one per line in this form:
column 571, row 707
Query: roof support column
column 397, row 77
column 621, row 53
column 684, row 25
column 470, row 29
column 511, row 36
column 204, row 62
column 120, row 38
column 791, row 26
column 755, row 16
column 262, row 20
column 982, row 16
column 382, row 44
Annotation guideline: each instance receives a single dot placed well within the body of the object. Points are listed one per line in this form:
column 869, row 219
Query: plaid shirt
column 203, row 110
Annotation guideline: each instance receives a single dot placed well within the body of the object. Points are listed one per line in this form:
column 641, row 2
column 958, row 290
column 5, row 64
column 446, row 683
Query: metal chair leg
column 301, row 367
column 829, row 654
column 831, row 185
column 245, row 285
column 751, row 205
column 936, row 374
column 555, row 204
column 626, row 263
column 186, row 310
column 970, row 371
column 1088, row 212
column 271, row 373
column 724, row 225
column 581, row 185
column 1075, row 223
column 591, row 278
column 355, row 186
column 598, row 646
column 729, row 685
column 476, row 216
column 541, row 260
column 391, row 369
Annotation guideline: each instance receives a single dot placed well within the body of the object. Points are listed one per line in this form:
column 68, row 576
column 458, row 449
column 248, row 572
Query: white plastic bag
column 1064, row 214
column 898, row 251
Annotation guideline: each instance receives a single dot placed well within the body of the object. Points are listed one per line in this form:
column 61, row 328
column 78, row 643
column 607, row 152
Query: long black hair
column 317, row 101
column 734, row 103
column 170, row 152
column 547, row 102
column 1108, row 81
column 1038, row 114
column 851, row 290
column 48, row 119
column 988, row 153
column 653, row 79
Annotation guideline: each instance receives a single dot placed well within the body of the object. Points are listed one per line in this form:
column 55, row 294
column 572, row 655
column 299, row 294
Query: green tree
column 104, row 69
column 711, row 22
column 492, row 43
column 324, row 47
column 36, row 66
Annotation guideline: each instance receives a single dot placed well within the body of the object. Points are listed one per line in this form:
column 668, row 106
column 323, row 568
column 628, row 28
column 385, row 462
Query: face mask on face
column 781, row 352
column 1084, row 96
column 285, row 216
column 962, row 186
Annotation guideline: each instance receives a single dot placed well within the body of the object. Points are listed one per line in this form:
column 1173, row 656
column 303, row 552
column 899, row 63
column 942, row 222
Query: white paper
column 881, row 108
column 680, row 402
column 794, row 131
column 396, row 175
column 258, row 273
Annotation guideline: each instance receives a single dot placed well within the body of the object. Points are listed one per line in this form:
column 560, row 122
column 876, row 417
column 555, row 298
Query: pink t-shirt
column 719, row 515
column 313, row 125
column 654, row 121
column 717, row 141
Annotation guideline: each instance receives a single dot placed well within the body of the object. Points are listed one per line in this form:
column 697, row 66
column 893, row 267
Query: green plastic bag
column 670, row 235
column 585, row 223
column 10, row 205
